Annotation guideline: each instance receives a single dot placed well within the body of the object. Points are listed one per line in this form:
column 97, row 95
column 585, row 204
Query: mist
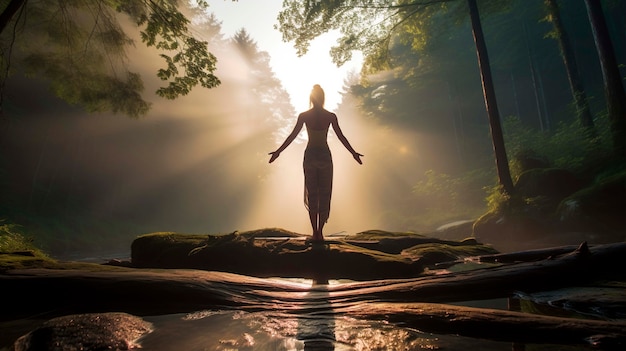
column 197, row 164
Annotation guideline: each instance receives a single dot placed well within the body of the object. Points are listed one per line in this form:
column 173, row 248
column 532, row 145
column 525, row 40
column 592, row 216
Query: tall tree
column 613, row 86
column 370, row 28
column 489, row 92
column 571, row 66
column 79, row 47
column 266, row 97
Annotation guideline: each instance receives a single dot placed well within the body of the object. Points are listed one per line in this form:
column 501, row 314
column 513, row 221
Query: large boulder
column 601, row 206
column 92, row 331
column 553, row 183
column 551, row 208
column 276, row 252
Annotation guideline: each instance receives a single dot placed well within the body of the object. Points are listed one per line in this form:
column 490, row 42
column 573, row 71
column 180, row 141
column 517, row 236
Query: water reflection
column 316, row 320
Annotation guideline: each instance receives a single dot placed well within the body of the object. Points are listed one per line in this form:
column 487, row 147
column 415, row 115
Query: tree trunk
column 571, row 67
column 613, row 87
column 10, row 11
column 502, row 163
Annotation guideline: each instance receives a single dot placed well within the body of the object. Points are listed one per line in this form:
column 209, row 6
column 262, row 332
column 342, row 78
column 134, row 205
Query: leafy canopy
column 373, row 27
column 79, row 47
column 366, row 26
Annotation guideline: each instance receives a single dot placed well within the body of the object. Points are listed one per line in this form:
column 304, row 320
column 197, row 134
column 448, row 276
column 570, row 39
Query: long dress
column 318, row 173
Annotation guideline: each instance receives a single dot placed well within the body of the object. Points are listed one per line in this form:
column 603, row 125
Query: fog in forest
column 199, row 164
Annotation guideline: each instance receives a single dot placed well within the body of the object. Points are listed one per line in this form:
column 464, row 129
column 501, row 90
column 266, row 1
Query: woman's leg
column 318, row 175
column 323, row 218
column 314, row 216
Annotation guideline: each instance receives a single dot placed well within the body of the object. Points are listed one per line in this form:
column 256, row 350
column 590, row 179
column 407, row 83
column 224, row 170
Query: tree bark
column 571, row 66
column 9, row 12
column 489, row 92
column 613, row 86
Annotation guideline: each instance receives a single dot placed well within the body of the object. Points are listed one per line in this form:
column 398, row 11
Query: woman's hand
column 357, row 156
column 274, row 155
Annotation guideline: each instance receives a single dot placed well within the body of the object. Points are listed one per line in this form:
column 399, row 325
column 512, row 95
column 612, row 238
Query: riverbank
column 431, row 301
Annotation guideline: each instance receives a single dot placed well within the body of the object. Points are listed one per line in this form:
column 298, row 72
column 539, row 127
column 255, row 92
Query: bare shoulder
column 308, row 114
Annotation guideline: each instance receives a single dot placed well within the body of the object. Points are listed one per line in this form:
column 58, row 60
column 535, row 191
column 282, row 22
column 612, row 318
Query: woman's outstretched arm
column 357, row 156
column 294, row 133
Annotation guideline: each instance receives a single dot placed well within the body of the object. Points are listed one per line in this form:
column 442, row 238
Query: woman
column 318, row 163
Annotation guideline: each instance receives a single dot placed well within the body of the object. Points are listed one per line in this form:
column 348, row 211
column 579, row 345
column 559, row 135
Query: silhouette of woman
column 318, row 163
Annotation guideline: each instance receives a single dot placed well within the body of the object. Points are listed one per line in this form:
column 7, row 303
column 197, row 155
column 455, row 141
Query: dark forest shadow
column 316, row 321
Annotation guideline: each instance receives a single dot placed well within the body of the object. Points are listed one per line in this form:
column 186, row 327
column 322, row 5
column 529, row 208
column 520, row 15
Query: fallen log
column 528, row 255
column 49, row 293
column 152, row 292
column 169, row 291
column 577, row 268
column 495, row 324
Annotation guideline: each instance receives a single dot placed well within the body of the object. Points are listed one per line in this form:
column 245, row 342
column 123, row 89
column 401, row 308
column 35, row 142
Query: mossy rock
column 375, row 255
column 281, row 253
column 601, row 206
column 509, row 232
column 432, row 254
column 93, row 331
column 23, row 259
column 594, row 214
column 377, row 234
column 552, row 183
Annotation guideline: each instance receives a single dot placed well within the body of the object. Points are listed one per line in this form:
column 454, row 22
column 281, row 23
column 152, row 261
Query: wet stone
column 94, row 331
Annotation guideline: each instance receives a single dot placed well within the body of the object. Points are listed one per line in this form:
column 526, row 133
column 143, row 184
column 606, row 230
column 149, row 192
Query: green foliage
column 373, row 28
column 80, row 48
column 497, row 199
column 365, row 27
column 65, row 230
column 16, row 250
column 166, row 28
column 444, row 192
column 437, row 187
column 441, row 198
column 12, row 239
column 570, row 146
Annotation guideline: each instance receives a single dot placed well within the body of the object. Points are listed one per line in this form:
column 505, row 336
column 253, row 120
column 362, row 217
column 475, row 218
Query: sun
column 299, row 74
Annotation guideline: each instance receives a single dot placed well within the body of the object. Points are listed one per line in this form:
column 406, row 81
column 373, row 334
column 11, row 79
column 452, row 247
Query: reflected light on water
column 260, row 331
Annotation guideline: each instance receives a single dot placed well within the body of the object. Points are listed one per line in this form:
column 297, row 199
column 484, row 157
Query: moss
column 269, row 233
column 381, row 234
column 454, row 252
column 377, row 255
column 17, row 251
column 606, row 195
column 24, row 260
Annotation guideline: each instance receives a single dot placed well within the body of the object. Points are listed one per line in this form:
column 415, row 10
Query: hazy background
column 195, row 164
column 198, row 164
